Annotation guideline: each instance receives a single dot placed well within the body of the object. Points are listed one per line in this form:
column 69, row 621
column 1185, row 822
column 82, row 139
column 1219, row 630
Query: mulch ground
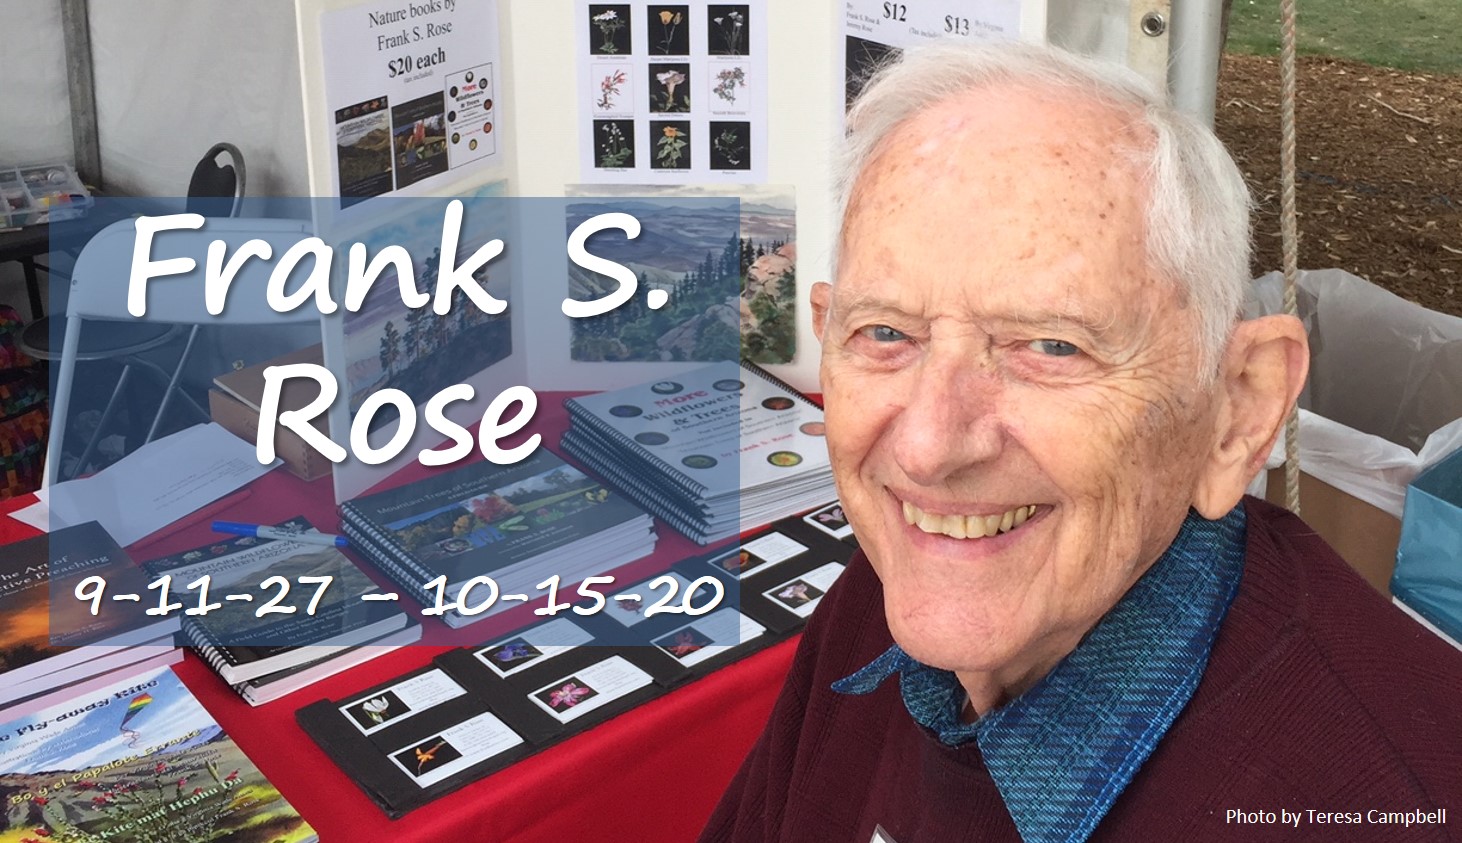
column 1379, row 156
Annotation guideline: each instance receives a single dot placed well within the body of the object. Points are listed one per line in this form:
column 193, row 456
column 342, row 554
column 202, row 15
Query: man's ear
column 1263, row 371
column 822, row 302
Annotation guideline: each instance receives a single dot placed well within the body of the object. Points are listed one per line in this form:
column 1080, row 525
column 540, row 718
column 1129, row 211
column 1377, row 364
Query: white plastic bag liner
column 1384, row 397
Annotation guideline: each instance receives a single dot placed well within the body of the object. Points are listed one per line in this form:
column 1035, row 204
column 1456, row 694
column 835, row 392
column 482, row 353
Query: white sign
column 876, row 30
column 412, row 94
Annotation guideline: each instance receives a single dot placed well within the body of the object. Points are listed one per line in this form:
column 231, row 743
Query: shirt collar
column 1063, row 751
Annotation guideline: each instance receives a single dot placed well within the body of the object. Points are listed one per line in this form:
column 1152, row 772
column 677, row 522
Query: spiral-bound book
column 518, row 524
column 726, row 447
column 304, row 602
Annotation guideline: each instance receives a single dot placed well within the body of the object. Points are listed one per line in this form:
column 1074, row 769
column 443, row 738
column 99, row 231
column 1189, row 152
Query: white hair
column 1197, row 205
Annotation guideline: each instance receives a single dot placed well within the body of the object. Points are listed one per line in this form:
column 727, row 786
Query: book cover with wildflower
column 138, row 762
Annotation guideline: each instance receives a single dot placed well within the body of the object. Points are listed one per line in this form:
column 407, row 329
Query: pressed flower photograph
column 672, row 145
column 667, row 30
column 377, row 710
column 609, row 29
column 730, row 146
column 612, row 93
column 683, row 642
column 797, row 593
column 728, row 87
column 427, row 756
column 614, row 144
column 512, row 653
column 726, row 34
column 670, row 88
column 563, row 697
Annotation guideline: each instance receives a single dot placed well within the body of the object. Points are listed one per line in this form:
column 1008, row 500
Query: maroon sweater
column 1319, row 697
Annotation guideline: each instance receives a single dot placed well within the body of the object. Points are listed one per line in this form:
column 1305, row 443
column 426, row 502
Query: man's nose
column 951, row 420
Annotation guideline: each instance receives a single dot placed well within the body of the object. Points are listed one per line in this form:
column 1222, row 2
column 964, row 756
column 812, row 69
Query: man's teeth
column 967, row 526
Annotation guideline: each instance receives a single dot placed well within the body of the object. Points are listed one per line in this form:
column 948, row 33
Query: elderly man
column 1043, row 411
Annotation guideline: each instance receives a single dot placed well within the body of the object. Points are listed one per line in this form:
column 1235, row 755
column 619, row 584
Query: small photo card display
column 454, row 749
column 628, row 606
column 831, row 520
column 404, row 699
column 801, row 595
column 595, row 686
column 709, row 636
column 532, row 646
column 759, row 554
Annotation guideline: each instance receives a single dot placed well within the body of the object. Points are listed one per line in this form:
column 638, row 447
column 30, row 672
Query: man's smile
column 958, row 525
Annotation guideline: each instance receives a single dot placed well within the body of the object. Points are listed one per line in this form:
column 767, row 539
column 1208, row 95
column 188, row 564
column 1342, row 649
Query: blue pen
column 266, row 532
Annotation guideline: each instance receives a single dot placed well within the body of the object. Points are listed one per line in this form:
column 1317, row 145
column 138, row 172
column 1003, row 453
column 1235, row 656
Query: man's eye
column 1055, row 348
column 883, row 333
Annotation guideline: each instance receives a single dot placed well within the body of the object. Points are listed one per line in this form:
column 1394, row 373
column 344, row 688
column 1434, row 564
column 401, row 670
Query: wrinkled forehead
column 1007, row 191
column 991, row 139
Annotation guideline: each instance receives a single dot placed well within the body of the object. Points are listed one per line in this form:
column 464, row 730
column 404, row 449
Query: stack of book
column 311, row 612
column 138, row 759
column 51, row 649
column 516, row 524
column 715, row 452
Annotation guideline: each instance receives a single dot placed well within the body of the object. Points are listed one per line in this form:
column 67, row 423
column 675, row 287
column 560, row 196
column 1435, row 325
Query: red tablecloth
column 650, row 775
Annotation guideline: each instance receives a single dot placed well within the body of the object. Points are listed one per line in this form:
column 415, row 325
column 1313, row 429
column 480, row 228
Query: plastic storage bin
column 41, row 193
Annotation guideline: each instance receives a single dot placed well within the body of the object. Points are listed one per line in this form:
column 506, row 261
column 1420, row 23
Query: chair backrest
column 100, row 281
column 213, row 182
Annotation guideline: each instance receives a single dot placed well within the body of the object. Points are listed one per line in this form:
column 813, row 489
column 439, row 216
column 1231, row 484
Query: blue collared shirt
column 1062, row 752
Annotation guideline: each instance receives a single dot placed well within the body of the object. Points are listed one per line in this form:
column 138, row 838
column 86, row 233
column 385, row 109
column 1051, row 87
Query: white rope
column 1289, row 230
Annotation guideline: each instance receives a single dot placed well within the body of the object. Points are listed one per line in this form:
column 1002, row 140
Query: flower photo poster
column 672, row 93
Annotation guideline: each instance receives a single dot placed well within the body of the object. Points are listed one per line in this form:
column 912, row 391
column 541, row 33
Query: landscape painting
column 729, row 268
column 389, row 345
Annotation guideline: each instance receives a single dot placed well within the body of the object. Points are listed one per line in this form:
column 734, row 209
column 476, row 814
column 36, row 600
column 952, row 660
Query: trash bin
column 1383, row 403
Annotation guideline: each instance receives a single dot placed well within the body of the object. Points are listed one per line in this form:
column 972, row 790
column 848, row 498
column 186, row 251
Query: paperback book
column 715, row 451
column 136, row 762
column 34, row 653
column 272, row 686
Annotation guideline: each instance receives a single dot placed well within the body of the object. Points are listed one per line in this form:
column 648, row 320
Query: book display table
column 652, row 774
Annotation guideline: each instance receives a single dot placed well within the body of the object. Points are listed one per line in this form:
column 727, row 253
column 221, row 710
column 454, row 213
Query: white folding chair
column 99, row 285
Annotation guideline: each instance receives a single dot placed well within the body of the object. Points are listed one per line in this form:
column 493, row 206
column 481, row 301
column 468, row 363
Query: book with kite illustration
column 137, row 761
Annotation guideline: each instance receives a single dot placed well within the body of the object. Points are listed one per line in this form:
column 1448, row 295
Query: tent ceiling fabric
column 173, row 77
column 35, row 115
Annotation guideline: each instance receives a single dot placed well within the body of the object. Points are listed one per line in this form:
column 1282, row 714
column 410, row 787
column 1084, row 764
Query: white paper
column 390, row 705
column 159, row 483
column 759, row 554
column 708, row 636
column 38, row 514
column 699, row 69
column 872, row 29
column 597, row 685
column 802, row 594
column 455, row 749
column 532, row 646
